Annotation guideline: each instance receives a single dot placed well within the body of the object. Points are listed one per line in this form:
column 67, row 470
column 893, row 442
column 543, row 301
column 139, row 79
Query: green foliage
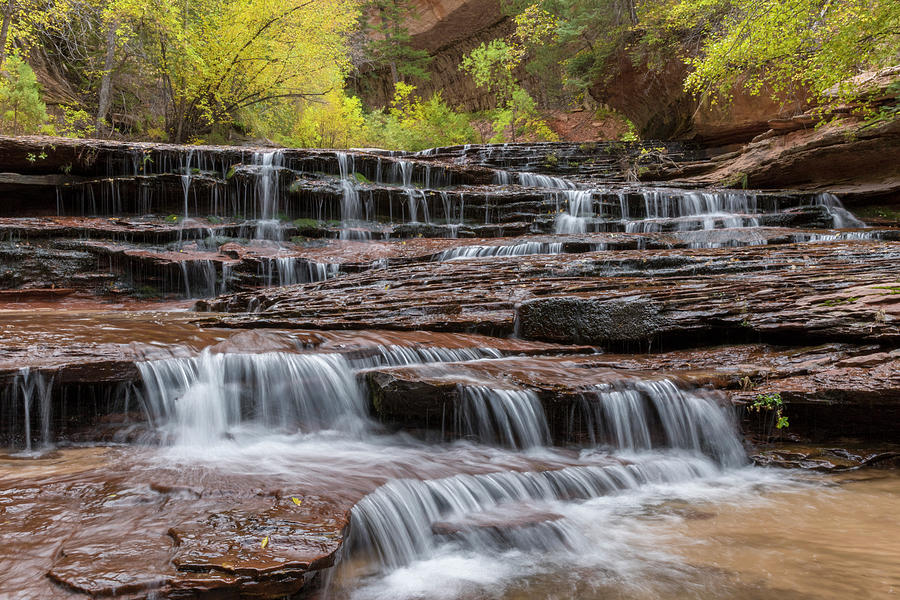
column 221, row 61
column 76, row 123
column 790, row 47
column 772, row 403
column 519, row 119
column 413, row 124
column 586, row 34
column 21, row 108
column 333, row 121
column 630, row 134
column 840, row 301
column 491, row 65
column 307, row 223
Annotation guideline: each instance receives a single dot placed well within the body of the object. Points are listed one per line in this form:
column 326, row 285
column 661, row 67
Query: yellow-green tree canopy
column 218, row 57
column 788, row 46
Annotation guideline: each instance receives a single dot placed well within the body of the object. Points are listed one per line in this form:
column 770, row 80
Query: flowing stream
column 483, row 515
column 352, row 437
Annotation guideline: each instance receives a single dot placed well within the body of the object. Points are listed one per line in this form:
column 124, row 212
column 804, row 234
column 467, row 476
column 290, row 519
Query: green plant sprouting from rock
column 771, row 403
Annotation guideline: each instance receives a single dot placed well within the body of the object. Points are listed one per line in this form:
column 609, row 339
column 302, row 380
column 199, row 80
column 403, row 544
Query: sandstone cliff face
column 447, row 29
column 654, row 101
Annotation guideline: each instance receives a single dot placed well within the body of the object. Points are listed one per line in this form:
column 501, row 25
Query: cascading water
column 513, row 418
column 694, row 210
column 267, row 193
column 579, row 204
column 395, row 523
column 291, row 270
column 522, row 249
column 31, row 393
column 186, row 175
column 842, row 217
column 644, row 415
column 351, row 206
column 199, row 278
column 201, row 400
column 394, row 356
column 545, row 181
column 667, row 435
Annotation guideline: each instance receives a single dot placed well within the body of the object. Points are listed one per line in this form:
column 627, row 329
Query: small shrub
column 771, row 403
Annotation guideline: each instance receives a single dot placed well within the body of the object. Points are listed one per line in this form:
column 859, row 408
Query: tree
column 216, row 58
column 492, row 66
column 390, row 42
column 791, row 46
column 20, row 99
column 585, row 34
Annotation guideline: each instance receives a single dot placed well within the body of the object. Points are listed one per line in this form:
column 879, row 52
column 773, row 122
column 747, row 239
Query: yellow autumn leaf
column 265, row 542
column 296, row 501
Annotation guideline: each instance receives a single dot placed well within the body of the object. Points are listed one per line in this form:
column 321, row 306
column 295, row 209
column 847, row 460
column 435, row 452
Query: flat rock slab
column 838, row 291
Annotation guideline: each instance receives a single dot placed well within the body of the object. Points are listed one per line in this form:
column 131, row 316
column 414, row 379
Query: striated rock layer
column 397, row 353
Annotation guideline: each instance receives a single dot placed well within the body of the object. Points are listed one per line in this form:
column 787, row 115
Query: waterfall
column 579, row 206
column 292, row 270
column 406, row 173
column 267, row 193
column 414, row 197
column 840, row 236
column 32, row 392
column 513, row 418
column 351, row 206
column 646, row 415
column 395, row 356
column 842, row 217
column 227, row 277
column 202, row 399
column 199, row 278
column 521, row 249
column 186, row 175
column 545, row 181
column 395, row 522
column 691, row 210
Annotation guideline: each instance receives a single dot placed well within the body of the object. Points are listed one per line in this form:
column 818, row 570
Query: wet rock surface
column 831, row 292
column 373, row 323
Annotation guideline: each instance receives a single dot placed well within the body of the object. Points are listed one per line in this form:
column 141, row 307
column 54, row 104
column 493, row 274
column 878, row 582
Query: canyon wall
column 654, row 100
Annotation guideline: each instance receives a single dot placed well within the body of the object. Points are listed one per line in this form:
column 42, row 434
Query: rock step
column 830, row 391
column 811, row 291
column 68, row 157
column 588, row 159
column 209, row 266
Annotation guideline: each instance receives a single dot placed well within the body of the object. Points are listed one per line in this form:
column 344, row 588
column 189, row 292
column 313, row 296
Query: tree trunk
column 632, row 12
column 4, row 29
column 106, row 80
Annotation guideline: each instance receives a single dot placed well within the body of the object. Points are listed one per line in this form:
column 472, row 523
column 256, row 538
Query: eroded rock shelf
column 266, row 365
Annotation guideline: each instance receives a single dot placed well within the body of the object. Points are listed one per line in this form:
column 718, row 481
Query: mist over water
column 494, row 513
